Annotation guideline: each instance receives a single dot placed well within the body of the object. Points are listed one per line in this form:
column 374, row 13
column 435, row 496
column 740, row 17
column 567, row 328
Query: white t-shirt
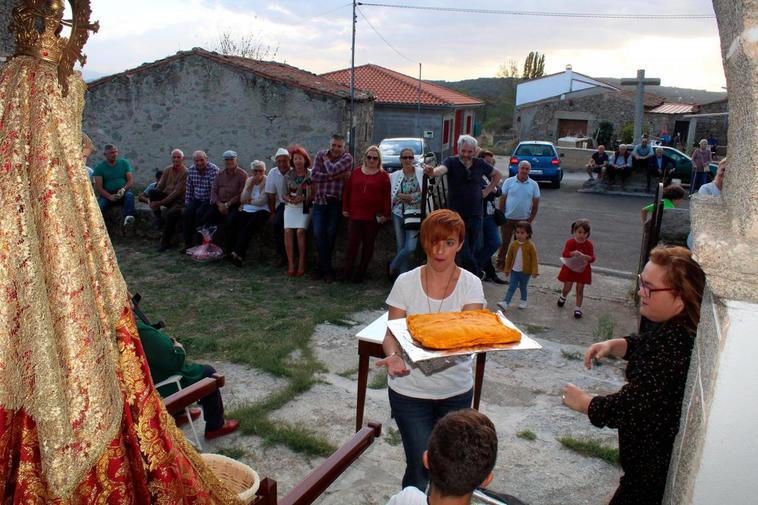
column 709, row 189
column 255, row 195
column 518, row 261
column 408, row 496
column 275, row 184
column 408, row 295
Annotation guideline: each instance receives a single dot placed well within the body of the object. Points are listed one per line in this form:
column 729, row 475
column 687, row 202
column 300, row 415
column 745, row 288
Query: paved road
column 616, row 228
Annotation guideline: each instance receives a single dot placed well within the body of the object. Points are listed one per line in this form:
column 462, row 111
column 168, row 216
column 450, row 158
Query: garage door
column 572, row 128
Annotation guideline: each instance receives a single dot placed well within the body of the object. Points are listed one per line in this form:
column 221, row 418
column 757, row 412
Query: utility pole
column 351, row 128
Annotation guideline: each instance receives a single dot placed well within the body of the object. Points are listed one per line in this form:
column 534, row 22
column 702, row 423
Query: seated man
column 113, row 183
column 620, row 164
column 642, row 155
column 598, row 163
column 169, row 194
column 166, row 357
column 461, row 456
column 660, row 167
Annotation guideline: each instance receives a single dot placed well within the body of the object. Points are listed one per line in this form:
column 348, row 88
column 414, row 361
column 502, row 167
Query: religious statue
column 80, row 420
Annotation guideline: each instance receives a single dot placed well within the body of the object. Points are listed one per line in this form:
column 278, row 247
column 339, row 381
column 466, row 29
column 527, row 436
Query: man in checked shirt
column 330, row 170
column 197, row 198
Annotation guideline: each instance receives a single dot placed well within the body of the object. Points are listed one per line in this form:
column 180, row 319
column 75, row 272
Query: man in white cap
column 226, row 191
column 276, row 191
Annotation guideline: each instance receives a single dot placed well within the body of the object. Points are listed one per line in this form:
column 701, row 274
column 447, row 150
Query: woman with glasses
column 297, row 204
column 406, row 186
column 253, row 214
column 646, row 410
column 366, row 203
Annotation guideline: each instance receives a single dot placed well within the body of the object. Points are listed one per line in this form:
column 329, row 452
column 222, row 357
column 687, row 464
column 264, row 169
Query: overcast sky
column 451, row 46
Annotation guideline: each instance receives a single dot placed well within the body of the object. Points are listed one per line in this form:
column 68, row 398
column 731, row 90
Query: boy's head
column 462, row 453
column 674, row 192
column 158, row 174
column 524, row 226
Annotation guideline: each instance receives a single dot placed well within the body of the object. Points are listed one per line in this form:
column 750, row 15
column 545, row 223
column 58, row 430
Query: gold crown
column 38, row 25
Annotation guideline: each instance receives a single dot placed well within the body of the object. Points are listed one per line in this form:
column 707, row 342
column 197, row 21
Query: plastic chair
column 176, row 379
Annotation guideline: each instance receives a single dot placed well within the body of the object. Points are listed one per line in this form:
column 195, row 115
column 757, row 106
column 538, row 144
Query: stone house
column 405, row 107
column 203, row 100
column 572, row 104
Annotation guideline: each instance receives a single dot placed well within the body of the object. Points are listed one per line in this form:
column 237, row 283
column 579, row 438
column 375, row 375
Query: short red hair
column 293, row 150
column 439, row 225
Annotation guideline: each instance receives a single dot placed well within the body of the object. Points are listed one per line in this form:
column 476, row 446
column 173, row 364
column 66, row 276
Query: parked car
column 545, row 160
column 683, row 164
column 391, row 148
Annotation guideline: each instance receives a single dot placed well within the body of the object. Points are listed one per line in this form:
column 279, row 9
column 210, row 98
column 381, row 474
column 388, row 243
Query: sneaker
column 561, row 301
column 523, row 304
column 229, row 426
column 503, row 305
column 128, row 221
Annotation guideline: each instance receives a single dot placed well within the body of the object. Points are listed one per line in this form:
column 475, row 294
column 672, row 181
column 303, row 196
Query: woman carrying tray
column 418, row 399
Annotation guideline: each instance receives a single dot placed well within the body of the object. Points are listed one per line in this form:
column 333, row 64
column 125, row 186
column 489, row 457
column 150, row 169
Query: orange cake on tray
column 457, row 330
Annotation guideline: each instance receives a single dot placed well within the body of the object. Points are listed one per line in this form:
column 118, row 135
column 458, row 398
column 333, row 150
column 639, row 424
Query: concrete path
column 521, row 391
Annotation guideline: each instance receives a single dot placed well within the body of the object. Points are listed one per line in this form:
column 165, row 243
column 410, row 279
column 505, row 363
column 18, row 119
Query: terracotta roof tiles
column 392, row 87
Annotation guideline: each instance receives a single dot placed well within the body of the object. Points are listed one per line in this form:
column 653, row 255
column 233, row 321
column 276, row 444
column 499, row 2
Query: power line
column 322, row 14
column 543, row 13
column 381, row 36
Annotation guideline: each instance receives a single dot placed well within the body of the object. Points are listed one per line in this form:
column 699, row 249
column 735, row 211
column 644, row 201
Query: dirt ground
column 521, row 392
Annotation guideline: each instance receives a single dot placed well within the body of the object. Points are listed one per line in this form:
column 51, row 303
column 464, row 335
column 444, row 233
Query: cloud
column 315, row 36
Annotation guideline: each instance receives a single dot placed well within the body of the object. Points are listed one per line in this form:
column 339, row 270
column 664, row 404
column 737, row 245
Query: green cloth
column 165, row 359
column 667, row 204
column 114, row 177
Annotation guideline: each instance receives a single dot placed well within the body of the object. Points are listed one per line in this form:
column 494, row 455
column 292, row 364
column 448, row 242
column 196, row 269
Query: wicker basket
column 238, row 477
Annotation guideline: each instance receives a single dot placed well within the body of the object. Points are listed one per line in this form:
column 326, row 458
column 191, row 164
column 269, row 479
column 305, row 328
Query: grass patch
column 231, row 452
column 604, row 328
column 527, row 435
column 348, row 374
column 591, row 448
column 572, row 356
column 534, row 329
column 379, row 381
column 254, row 316
column 393, row 437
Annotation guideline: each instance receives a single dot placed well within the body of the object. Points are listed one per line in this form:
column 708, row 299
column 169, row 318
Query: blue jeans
column 468, row 251
column 698, row 179
column 326, row 218
column 489, row 242
column 415, row 418
column 127, row 201
column 407, row 241
column 520, row 280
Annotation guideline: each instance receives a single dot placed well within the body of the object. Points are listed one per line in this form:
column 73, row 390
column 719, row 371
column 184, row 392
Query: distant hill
column 678, row 95
column 485, row 88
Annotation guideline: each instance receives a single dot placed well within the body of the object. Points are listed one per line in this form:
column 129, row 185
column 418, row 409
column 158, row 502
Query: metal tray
column 399, row 328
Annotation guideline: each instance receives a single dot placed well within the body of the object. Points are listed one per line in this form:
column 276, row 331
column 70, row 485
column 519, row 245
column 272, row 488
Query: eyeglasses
column 647, row 291
column 372, row 157
column 177, row 157
column 407, row 157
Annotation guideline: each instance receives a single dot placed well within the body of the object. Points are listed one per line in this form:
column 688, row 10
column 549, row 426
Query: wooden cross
column 639, row 101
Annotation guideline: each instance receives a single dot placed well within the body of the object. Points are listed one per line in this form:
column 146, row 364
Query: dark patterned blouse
column 646, row 410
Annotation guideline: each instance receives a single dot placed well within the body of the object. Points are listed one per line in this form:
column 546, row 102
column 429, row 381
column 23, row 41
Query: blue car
column 545, row 161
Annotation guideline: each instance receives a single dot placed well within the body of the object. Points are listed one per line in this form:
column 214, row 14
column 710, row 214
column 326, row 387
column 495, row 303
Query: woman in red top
column 366, row 203
column 577, row 255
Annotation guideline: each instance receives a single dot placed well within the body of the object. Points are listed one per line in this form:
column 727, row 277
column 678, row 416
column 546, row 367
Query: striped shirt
column 199, row 185
column 323, row 169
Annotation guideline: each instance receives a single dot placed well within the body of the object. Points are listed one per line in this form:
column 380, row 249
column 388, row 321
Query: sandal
column 291, row 273
column 577, row 313
column 561, row 301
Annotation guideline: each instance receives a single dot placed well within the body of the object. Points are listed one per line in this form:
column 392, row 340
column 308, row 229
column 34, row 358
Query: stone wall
column 7, row 38
column 191, row 102
column 719, row 125
column 540, row 121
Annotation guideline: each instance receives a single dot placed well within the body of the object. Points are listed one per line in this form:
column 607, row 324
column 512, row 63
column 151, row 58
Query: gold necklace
column 428, row 299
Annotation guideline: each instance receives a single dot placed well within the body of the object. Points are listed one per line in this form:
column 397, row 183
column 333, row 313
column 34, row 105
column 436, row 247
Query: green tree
column 534, row 65
column 604, row 133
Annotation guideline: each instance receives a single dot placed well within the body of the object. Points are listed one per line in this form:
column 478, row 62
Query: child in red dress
column 577, row 250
